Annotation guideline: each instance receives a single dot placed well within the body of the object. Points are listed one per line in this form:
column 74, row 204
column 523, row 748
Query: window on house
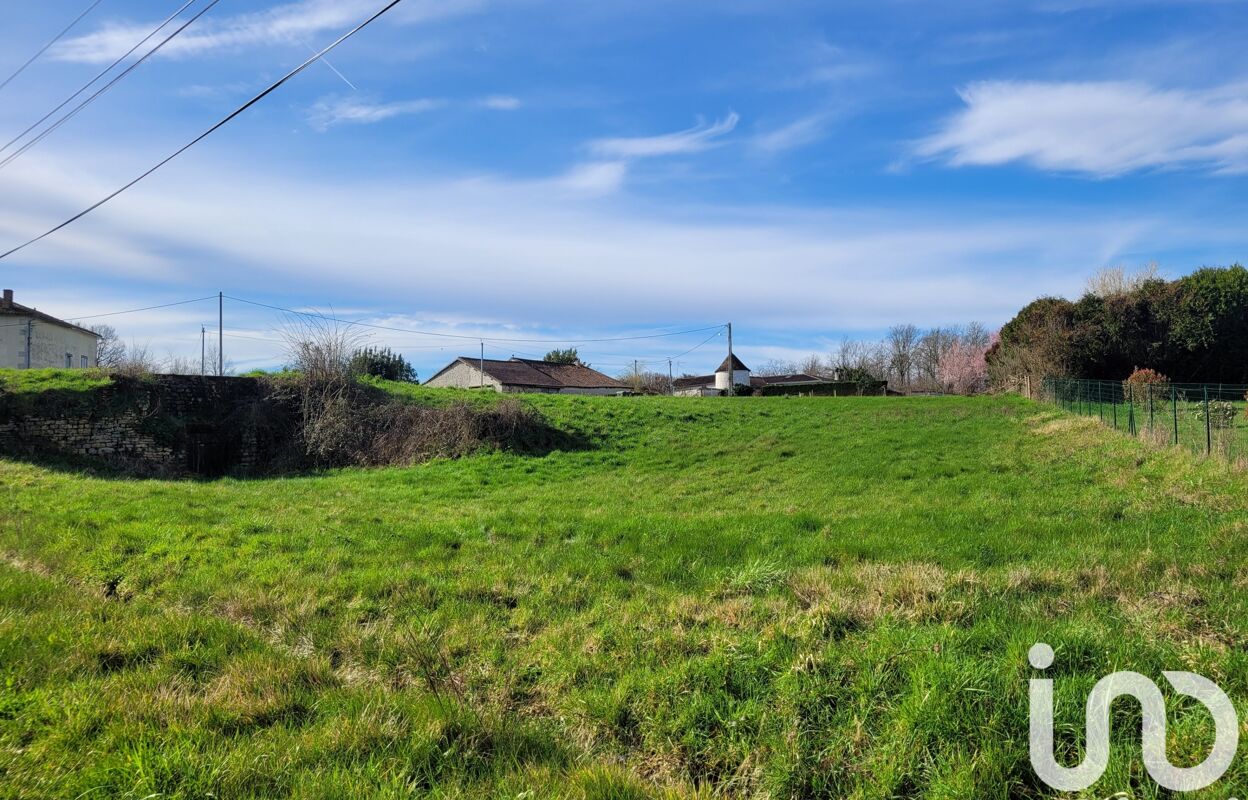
column 69, row 360
column 82, row 362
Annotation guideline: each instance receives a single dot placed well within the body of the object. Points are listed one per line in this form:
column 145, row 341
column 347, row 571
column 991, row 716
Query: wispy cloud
column 333, row 111
column 1096, row 128
column 291, row 23
column 330, row 112
column 799, row 133
column 596, row 178
column 691, row 140
column 500, row 102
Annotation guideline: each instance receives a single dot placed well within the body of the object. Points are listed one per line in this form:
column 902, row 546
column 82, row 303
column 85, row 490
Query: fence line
column 1206, row 418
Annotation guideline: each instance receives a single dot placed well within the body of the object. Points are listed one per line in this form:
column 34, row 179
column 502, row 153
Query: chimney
column 8, row 299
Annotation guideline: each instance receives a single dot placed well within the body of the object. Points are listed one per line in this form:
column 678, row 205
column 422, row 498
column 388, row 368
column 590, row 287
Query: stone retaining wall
column 165, row 424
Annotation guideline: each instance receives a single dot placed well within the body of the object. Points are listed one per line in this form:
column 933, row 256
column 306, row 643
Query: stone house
column 31, row 339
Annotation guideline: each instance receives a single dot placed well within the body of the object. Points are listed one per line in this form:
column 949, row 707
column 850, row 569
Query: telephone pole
column 482, row 365
column 732, row 387
column 203, row 350
column 220, row 333
column 671, row 384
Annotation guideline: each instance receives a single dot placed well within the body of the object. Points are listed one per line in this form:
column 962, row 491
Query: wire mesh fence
column 1206, row 418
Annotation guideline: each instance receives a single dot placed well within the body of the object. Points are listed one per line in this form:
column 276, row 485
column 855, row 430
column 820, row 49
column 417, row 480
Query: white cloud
column 798, row 133
column 332, row 111
column 692, row 140
column 499, row 102
column 541, row 252
column 337, row 111
column 1098, row 128
column 291, row 23
column 599, row 177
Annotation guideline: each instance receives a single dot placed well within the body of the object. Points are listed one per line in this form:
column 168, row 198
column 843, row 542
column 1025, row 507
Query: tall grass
column 762, row 597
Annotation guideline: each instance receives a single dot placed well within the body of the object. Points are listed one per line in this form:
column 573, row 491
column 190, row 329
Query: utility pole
column 732, row 387
column 671, row 384
column 203, row 350
column 482, row 364
column 220, row 333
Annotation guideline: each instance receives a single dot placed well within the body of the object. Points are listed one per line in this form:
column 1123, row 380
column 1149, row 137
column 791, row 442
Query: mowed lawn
column 755, row 597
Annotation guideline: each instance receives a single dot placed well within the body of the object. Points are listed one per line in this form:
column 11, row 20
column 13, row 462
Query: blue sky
column 544, row 169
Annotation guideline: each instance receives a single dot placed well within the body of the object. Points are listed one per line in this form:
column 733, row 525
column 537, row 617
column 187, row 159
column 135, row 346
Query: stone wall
column 165, row 424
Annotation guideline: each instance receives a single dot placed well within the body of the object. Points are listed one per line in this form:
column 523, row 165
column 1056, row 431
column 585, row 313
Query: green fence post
column 1131, row 410
column 1208, row 425
column 1174, row 407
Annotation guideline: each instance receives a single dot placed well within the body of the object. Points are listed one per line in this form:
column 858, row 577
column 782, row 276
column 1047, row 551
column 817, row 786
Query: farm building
column 524, row 375
column 709, row 385
column 31, row 339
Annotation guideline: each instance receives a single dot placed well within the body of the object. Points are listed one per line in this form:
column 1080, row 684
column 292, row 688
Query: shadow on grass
column 535, row 441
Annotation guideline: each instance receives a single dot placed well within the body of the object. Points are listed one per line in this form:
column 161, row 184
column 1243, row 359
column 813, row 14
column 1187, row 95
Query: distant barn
column 524, row 375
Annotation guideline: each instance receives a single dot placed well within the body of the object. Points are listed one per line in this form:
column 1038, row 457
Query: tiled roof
column 19, row 310
column 736, row 365
column 573, row 376
column 541, row 374
column 690, row 383
column 797, row 377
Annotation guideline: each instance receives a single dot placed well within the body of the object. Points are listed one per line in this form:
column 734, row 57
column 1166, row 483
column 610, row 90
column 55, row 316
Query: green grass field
column 756, row 598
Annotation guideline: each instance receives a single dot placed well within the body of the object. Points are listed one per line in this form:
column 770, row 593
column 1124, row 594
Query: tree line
column 1194, row 329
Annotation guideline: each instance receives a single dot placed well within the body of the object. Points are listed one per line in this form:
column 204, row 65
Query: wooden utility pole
column 732, row 388
column 671, row 384
column 482, row 365
column 203, row 350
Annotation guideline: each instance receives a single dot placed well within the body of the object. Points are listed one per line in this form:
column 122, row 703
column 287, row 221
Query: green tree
column 569, row 356
column 382, row 362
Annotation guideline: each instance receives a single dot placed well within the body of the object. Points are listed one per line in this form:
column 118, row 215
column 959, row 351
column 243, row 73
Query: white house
column 708, row 385
column 524, row 375
column 713, row 385
column 31, row 339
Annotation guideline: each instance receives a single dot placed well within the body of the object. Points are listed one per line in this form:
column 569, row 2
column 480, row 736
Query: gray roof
column 16, row 309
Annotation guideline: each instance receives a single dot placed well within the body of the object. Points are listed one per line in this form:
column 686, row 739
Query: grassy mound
column 764, row 597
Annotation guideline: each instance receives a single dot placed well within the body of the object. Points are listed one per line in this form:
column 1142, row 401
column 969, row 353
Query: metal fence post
column 1150, row 410
column 1208, row 425
column 1174, row 407
column 1131, row 410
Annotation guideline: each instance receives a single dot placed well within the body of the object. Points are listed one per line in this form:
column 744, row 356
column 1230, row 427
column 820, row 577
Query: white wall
column 48, row 347
column 462, row 376
column 741, row 377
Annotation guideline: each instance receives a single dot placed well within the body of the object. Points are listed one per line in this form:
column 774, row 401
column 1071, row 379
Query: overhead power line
column 470, row 338
column 98, row 76
column 272, row 88
column 48, row 131
column 148, row 308
column 44, row 49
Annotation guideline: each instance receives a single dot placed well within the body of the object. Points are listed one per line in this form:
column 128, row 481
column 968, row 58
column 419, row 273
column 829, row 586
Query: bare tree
column 775, row 366
column 110, row 350
column 976, row 336
column 902, row 341
column 1117, row 281
column 931, row 347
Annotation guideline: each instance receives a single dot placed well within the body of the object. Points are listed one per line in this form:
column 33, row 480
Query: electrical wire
column 272, row 88
column 44, row 49
column 48, row 131
column 99, row 75
column 690, row 350
column 148, row 308
column 467, row 337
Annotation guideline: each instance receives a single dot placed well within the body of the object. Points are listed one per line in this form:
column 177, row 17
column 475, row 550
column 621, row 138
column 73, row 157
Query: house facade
column 524, row 375
column 31, row 339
